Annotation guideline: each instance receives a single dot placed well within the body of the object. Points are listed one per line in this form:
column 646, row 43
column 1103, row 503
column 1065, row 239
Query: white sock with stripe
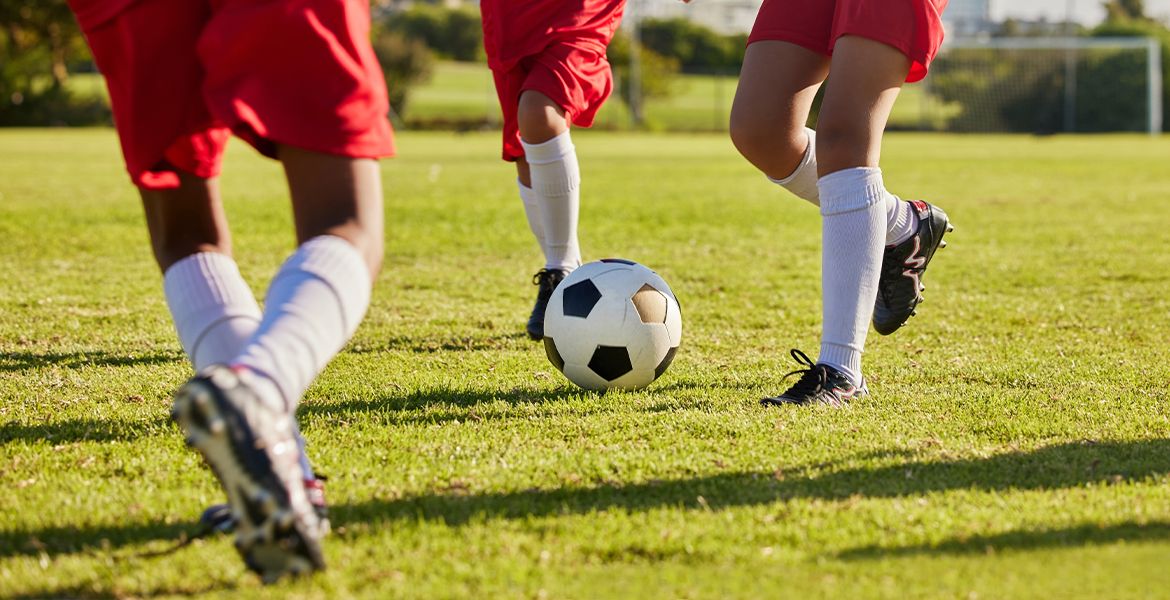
column 314, row 304
column 212, row 306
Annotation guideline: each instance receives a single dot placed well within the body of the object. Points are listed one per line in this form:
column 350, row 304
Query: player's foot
column 818, row 384
column 219, row 517
column 900, row 286
column 547, row 280
column 252, row 450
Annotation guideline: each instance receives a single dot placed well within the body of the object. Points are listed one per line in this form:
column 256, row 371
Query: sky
column 1088, row 12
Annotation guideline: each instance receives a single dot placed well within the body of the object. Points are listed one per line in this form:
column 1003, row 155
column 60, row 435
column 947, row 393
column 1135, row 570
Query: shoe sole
column 947, row 227
column 269, row 537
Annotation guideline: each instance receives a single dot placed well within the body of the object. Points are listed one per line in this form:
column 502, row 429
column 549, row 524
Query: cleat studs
column 950, row 228
column 922, row 287
column 921, row 299
column 942, row 244
column 217, row 426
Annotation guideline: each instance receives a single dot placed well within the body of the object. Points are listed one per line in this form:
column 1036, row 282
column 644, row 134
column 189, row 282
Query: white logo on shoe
column 915, row 263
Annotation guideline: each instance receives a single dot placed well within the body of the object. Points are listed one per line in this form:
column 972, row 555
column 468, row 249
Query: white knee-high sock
column 314, row 304
column 213, row 308
column 534, row 214
column 556, row 180
column 802, row 182
column 853, row 226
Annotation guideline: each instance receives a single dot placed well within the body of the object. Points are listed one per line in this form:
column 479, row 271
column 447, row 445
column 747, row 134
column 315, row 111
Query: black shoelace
column 543, row 278
column 812, row 380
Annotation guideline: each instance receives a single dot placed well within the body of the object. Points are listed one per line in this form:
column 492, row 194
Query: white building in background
column 968, row 18
column 724, row 16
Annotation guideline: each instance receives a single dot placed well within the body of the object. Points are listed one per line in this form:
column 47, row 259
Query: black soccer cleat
column 252, row 450
column 219, row 518
column 818, row 384
column 547, row 280
column 903, row 265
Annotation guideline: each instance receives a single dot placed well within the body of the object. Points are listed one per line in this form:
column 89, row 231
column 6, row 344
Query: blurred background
column 1040, row 66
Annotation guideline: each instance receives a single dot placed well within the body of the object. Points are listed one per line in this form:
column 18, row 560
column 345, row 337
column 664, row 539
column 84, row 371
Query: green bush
column 38, row 43
column 658, row 72
column 1145, row 28
column 1025, row 91
column 405, row 62
column 695, row 47
column 454, row 33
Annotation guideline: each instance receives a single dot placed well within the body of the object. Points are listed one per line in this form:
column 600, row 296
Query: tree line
column 41, row 47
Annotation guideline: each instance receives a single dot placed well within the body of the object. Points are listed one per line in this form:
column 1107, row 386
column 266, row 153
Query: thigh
column 864, row 80
column 776, row 86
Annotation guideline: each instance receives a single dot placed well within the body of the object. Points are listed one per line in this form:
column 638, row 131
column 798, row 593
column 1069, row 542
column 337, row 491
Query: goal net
column 1045, row 85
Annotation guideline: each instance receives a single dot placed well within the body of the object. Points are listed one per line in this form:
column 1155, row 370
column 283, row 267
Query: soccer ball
column 612, row 324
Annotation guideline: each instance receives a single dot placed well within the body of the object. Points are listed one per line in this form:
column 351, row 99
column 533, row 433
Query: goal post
column 1047, row 85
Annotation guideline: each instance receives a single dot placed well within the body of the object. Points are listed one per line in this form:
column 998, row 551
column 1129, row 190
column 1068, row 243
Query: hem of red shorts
column 807, row 43
column 168, row 179
column 267, row 145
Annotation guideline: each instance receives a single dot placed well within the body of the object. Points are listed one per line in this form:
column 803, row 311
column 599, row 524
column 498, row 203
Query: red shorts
column 912, row 26
column 578, row 80
column 182, row 75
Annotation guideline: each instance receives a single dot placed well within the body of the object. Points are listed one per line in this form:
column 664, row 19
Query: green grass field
column 1016, row 444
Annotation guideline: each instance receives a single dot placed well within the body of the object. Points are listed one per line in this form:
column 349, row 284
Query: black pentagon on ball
column 666, row 360
column 554, row 357
column 619, row 261
column 580, row 298
column 611, row 362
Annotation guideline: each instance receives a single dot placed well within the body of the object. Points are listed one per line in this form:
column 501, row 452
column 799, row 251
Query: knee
column 841, row 146
column 539, row 118
column 774, row 149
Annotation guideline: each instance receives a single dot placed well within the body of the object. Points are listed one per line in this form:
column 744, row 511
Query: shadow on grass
column 440, row 405
column 1053, row 467
column 20, row 361
column 1081, row 535
column 445, row 343
column 83, row 430
column 89, row 539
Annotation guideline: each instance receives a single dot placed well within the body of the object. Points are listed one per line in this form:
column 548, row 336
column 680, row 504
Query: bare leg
column 186, row 220
column 540, row 120
column 776, row 89
column 859, row 95
column 339, row 196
